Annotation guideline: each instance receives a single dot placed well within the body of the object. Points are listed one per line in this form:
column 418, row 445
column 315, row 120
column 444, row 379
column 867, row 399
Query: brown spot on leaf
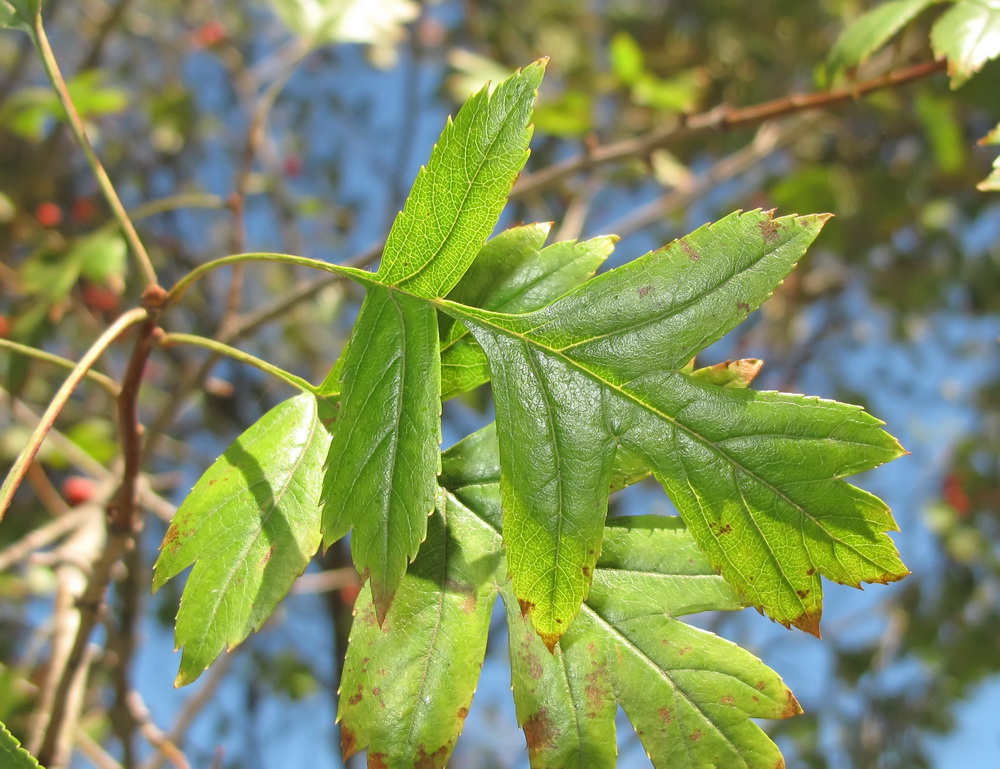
column 792, row 707
column 643, row 290
column 696, row 735
column 376, row 691
column 526, row 606
column 688, row 249
column 356, row 697
column 666, row 715
column 550, row 640
column 462, row 713
column 538, row 733
column 810, row 572
column 433, row 760
column 685, row 650
column 743, row 306
column 769, row 230
column 267, row 555
column 809, row 622
column 728, row 699
column 803, row 593
column 586, row 571
column 761, row 686
column 725, row 529
column 171, row 541
column 377, row 761
column 348, row 742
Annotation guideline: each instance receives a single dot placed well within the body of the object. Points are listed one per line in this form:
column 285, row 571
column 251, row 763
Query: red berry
column 99, row 298
column 78, row 490
column 209, row 33
column 83, row 210
column 293, row 165
column 48, row 214
column 4, row 327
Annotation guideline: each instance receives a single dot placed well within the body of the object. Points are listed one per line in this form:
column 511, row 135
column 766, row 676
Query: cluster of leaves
column 966, row 35
column 594, row 390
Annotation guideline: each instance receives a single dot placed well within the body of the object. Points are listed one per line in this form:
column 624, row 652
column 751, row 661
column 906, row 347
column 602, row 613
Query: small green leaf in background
column 626, row 59
column 381, row 477
column 30, row 112
column 378, row 23
column 753, row 474
column 873, row 29
column 992, row 182
column 12, row 755
column 18, row 13
column 250, row 526
column 968, row 36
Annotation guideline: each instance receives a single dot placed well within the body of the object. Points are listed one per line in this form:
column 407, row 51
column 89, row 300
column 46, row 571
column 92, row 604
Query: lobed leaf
column 872, row 30
column 408, row 682
column 968, row 36
column 688, row 693
column 596, row 372
column 250, row 526
column 384, row 457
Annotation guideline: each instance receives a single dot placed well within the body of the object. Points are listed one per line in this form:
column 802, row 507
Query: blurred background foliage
column 298, row 125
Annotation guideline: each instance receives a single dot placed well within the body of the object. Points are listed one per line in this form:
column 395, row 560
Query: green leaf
column 250, row 526
column 873, row 29
column 457, row 198
column 512, row 273
column 598, row 370
column 626, row 59
column 18, row 13
column 992, row 182
column 12, row 755
column 408, row 682
column 688, row 693
column 384, row 458
column 968, row 36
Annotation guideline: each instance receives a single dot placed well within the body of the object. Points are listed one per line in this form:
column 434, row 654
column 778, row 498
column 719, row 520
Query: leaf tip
column 809, row 622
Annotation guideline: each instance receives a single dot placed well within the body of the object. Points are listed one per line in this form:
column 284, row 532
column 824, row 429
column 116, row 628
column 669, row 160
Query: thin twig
column 76, row 126
column 41, row 537
column 154, row 734
column 195, row 704
column 59, row 400
column 720, row 118
column 106, row 382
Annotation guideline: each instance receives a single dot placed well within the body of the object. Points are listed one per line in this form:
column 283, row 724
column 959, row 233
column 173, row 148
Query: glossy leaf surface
column 250, row 526
column 598, row 369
